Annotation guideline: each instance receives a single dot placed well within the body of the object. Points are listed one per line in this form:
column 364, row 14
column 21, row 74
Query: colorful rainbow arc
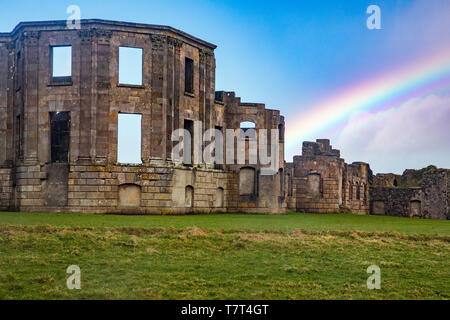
column 371, row 95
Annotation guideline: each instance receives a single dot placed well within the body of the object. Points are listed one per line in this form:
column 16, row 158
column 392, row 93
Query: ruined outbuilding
column 321, row 182
column 59, row 134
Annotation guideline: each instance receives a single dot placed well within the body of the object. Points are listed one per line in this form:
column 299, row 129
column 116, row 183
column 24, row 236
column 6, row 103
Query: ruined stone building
column 59, row 134
column 417, row 194
column 320, row 181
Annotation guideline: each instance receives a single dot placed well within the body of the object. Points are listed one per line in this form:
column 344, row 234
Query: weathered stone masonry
column 430, row 200
column 59, row 136
column 91, row 180
column 320, row 181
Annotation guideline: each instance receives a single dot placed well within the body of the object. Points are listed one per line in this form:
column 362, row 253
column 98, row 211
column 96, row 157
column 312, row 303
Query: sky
column 381, row 96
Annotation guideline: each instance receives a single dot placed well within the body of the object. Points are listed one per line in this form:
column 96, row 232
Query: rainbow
column 411, row 80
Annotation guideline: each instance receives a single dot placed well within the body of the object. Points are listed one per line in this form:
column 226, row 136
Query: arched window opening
column 281, row 132
column 189, row 197
column 248, row 129
column 219, row 198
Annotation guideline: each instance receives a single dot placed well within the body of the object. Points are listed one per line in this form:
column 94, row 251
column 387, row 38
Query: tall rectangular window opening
column 129, row 138
column 188, row 143
column 61, row 63
column 189, row 76
column 130, row 66
column 60, row 136
column 218, row 148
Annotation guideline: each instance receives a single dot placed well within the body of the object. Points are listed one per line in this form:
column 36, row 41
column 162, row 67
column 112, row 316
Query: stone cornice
column 61, row 25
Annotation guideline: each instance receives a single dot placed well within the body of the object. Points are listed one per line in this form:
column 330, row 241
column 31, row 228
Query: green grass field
column 296, row 256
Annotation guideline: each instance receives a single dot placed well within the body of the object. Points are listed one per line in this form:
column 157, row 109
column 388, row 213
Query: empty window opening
column 60, row 136
column 248, row 130
column 189, row 76
column 395, row 183
column 314, row 184
column 219, row 198
column 218, row 148
column 245, row 125
column 281, row 132
column 358, row 192
column 130, row 66
column 129, row 138
column 61, row 63
column 188, row 142
column 189, row 197
column 247, row 182
column 350, row 192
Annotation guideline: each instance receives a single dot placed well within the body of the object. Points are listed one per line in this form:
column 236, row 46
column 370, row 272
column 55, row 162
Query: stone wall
column 91, row 180
column 389, row 180
column 435, row 204
column 97, row 189
column 269, row 189
column 317, row 184
column 430, row 201
column 321, row 182
column 6, row 189
column 395, row 201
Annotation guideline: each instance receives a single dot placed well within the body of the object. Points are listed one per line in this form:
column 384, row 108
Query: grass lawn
column 296, row 256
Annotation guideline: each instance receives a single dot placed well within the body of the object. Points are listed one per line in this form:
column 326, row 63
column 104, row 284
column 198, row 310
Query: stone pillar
column 178, row 119
column 173, row 51
column 435, row 200
column 202, row 88
column 31, row 45
column 86, row 71
column 206, row 92
column 158, row 107
column 4, row 114
column 101, row 94
column 10, row 147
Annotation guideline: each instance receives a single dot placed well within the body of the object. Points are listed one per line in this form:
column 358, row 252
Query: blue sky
column 293, row 54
